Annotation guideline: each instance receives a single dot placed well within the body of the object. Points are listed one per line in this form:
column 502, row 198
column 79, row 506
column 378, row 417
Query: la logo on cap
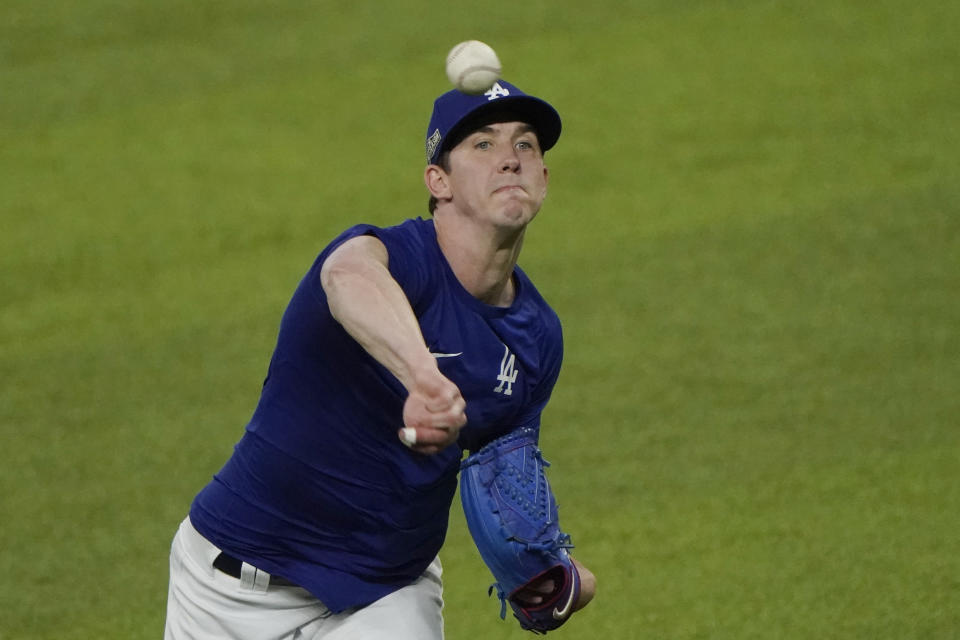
column 496, row 91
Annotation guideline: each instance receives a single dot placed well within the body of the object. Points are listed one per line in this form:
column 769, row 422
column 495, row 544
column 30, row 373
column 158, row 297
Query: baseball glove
column 512, row 516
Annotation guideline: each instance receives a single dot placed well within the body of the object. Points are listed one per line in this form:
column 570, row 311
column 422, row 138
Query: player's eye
column 482, row 144
column 525, row 145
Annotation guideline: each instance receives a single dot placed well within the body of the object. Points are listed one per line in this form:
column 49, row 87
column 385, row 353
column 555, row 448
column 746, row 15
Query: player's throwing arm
column 370, row 305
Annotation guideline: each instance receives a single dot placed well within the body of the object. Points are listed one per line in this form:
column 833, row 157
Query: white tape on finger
column 409, row 436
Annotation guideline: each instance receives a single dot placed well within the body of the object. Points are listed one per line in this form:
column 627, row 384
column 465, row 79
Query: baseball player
column 401, row 348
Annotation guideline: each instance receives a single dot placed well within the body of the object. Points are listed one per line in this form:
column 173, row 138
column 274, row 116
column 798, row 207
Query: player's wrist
column 422, row 372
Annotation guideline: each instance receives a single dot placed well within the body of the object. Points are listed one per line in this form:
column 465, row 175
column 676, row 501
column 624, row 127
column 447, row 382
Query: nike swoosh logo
column 561, row 614
column 446, row 355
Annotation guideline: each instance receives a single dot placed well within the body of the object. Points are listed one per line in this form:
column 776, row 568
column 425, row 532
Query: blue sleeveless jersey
column 320, row 490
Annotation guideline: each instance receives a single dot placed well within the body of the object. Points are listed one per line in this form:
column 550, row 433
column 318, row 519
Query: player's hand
column 537, row 592
column 433, row 413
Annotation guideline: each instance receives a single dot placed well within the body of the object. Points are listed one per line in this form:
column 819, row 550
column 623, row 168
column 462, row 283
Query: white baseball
column 473, row 66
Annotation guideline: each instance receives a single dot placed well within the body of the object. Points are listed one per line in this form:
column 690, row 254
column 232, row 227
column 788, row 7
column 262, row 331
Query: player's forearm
column 370, row 305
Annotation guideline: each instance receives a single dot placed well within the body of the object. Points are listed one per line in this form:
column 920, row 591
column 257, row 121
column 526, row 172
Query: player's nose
column 510, row 162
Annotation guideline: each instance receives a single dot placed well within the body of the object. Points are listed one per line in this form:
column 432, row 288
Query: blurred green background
column 752, row 238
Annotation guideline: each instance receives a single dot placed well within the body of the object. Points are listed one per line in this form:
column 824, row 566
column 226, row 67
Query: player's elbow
column 333, row 272
column 588, row 586
column 353, row 258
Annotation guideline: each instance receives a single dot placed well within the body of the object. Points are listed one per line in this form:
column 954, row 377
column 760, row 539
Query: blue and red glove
column 512, row 516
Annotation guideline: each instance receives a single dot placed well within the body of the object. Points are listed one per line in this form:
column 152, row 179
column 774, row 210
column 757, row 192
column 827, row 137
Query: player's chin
column 517, row 216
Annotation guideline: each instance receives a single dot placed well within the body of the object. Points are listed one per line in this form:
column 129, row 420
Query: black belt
column 231, row 566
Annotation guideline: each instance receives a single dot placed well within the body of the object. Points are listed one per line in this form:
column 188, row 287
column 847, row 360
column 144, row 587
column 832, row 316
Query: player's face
column 497, row 172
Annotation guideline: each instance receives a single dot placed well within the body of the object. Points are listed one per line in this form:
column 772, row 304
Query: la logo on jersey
column 508, row 373
column 496, row 91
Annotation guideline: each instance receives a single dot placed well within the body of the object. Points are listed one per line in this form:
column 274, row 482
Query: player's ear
column 438, row 184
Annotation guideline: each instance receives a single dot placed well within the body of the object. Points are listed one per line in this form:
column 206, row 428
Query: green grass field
column 752, row 237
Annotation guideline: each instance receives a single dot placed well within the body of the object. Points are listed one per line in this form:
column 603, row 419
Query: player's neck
column 483, row 263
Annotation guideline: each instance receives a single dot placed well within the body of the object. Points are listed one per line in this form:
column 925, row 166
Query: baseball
column 473, row 66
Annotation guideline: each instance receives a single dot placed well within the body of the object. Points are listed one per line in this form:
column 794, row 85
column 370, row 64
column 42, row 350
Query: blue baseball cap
column 454, row 111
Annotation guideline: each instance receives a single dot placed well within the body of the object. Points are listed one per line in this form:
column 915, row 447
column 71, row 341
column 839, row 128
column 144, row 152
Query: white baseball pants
column 204, row 603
